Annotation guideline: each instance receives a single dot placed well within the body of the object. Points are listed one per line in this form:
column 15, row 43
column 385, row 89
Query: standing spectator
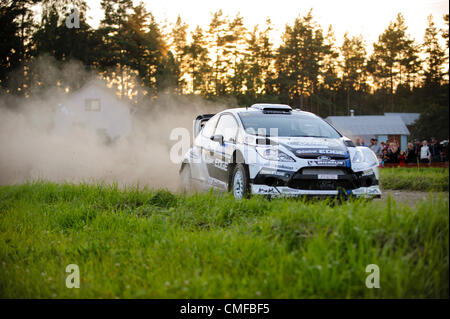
column 444, row 150
column 411, row 156
column 392, row 155
column 425, row 154
column 357, row 141
column 363, row 143
column 435, row 150
column 375, row 147
column 417, row 147
column 402, row 158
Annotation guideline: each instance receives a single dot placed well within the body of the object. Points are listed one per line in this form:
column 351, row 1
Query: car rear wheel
column 240, row 186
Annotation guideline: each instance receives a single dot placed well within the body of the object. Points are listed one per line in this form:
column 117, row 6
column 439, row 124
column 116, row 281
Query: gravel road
column 411, row 197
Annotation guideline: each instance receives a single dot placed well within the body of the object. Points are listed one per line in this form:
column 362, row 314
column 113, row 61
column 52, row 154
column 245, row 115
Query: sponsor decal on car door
column 221, row 153
column 219, row 167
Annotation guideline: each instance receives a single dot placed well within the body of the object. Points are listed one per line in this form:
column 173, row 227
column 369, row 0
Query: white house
column 408, row 118
column 96, row 108
column 383, row 127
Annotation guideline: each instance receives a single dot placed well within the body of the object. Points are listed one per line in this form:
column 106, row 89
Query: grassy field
column 415, row 179
column 153, row 244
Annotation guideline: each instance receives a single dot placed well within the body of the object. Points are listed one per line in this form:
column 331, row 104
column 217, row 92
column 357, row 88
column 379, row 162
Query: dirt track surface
column 411, row 197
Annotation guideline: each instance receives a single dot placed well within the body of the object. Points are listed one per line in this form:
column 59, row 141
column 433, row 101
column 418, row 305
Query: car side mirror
column 217, row 138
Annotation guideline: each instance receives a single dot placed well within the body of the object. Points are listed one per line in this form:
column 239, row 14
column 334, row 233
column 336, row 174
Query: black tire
column 185, row 179
column 240, row 183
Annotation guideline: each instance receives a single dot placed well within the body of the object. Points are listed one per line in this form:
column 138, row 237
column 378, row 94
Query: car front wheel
column 240, row 186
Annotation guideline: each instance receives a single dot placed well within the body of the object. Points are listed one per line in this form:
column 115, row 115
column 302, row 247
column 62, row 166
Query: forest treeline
column 229, row 60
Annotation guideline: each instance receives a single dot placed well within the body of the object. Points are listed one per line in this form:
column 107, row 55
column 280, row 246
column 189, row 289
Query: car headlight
column 272, row 154
column 358, row 157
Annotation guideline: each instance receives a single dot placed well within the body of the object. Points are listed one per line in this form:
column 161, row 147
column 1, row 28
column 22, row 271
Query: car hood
column 311, row 147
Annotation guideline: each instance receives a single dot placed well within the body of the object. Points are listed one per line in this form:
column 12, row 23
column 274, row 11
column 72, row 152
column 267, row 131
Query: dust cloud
column 31, row 150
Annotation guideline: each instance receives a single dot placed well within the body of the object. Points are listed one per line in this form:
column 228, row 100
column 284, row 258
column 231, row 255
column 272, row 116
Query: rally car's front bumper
column 368, row 192
column 324, row 181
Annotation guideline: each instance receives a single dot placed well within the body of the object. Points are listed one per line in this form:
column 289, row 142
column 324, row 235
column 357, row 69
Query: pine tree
column 216, row 41
column 168, row 75
column 299, row 60
column 156, row 65
column 253, row 70
column 330, row 70
column 354, row 73
column 47, row 37
column 257, row 65
column 199, row 63
column 445, row 31
column 10, row 42
column 435, row 56
column 55, row 38
column 179, row 46
column 140, row 53
column 23, row 11
column 389, row 54
column 410, row 64
column 114, row 57
column 233, row 53
column 266, row 59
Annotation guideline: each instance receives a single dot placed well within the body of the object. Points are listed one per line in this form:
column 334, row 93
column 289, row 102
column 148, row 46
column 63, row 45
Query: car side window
column 227, row 127
column 208, row 129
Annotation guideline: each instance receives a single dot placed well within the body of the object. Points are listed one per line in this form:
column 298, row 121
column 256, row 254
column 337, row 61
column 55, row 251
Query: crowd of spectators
column 416, row 151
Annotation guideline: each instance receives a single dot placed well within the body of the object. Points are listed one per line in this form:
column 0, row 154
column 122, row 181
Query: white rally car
column 272, row 150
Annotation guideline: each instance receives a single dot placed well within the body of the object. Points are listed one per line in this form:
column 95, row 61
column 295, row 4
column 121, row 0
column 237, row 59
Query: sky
column 366, row 17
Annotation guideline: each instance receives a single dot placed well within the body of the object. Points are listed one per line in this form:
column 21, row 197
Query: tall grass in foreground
column 153, row 244
column 415, row 179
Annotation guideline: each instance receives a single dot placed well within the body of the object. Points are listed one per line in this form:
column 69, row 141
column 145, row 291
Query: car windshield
column 286, row 125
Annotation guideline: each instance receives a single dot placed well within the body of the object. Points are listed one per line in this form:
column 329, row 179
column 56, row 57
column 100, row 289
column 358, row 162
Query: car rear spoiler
column 200, row 121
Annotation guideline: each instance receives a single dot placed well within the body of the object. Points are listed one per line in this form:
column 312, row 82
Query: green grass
column 153, row 244
column 415, row 179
